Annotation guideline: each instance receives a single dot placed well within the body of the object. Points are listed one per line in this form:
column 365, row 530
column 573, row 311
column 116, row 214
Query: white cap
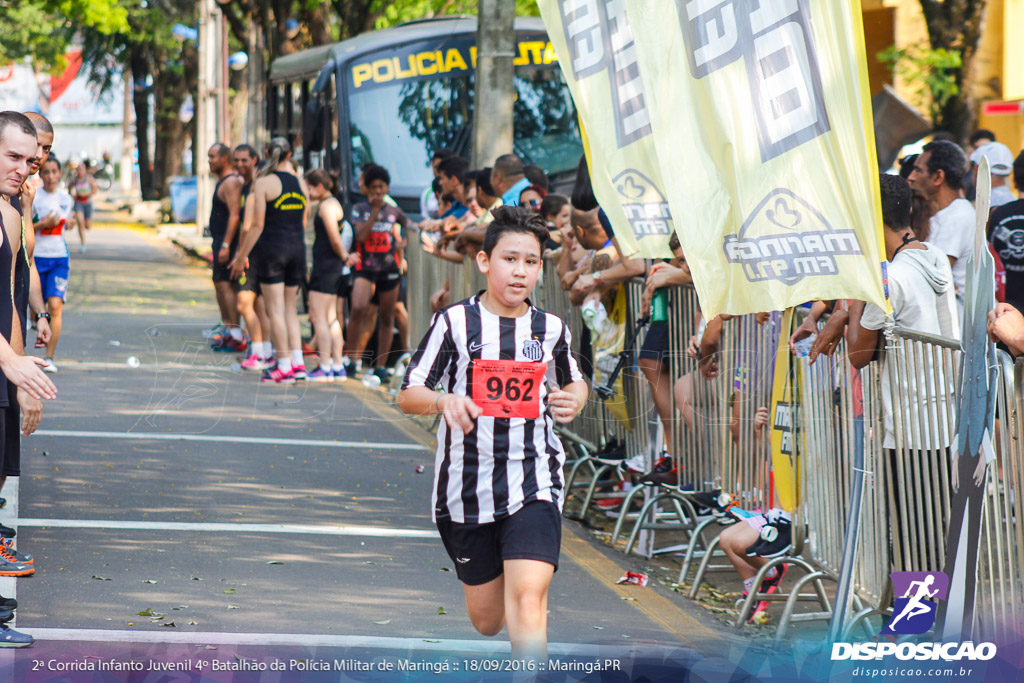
column 1000, row 158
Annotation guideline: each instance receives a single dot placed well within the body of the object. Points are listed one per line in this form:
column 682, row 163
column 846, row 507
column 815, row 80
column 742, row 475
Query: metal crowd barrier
column 840, row 414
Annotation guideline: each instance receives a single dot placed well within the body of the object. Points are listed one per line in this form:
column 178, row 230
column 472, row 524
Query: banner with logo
column 760, row 123
column 764, row 138
column 597, row 54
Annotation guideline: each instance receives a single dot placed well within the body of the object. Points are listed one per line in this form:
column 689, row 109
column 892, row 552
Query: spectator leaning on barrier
column 921, row 294
column 1006, row 325
column 1006, row 227
column 509, row 178
column 938, row 177
column 428, row 201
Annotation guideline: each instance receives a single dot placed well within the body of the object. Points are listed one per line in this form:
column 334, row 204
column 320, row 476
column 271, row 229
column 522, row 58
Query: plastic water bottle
column 659, row 307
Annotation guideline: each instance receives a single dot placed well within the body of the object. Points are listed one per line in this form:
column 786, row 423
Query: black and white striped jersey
column 507, row 365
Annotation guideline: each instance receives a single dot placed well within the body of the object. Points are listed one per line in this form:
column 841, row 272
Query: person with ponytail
column 280, row 211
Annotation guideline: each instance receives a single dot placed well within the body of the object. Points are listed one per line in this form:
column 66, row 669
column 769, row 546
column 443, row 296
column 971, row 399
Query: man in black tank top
column 280, row 212
column 224, row 217
column 250, row 305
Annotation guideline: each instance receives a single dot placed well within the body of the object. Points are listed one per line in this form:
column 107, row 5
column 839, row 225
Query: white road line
column 320, row 530
column 160, row 367
column 144, row 436
column 315, row 640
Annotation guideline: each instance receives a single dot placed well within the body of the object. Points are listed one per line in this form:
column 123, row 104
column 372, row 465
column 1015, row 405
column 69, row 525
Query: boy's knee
column 488, row 626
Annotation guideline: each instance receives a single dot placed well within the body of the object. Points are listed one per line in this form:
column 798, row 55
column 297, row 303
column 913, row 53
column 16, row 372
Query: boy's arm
column 568, row 402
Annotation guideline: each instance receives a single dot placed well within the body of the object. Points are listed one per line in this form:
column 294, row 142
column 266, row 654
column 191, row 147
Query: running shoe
column 7, row 532
column 382, row 374
column 11, row 638
column 229, row 344
column 664, row 472
column 3, row 502
column 720, row 503
column 768, row 586
column 50, row 366
column 8, row 603
column 215, row 331
column 23, row 558
column 637, row 464
column 11, row 567
column 320, row 375
column 340, row 375
column 6, row 615
column 308, row 350
column 254, row 362
column 299, row 371
column 277, row 375
column 613, row 450
column 776, row 540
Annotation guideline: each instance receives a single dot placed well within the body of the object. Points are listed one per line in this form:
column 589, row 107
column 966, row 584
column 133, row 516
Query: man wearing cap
column 1000, row 160
column 1006, row 231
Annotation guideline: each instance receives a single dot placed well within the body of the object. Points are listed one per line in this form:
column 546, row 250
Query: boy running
column 498, row 486
column 53, row 207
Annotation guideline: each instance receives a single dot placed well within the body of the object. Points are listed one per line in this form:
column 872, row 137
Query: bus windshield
column 399, row 125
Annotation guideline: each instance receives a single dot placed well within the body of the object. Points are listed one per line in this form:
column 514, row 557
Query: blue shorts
column 53, row 275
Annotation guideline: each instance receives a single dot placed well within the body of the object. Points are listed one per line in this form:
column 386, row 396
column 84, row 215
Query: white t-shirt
column 921, row 294
column 952, row 231
column 50, row 241
column 1001, row 195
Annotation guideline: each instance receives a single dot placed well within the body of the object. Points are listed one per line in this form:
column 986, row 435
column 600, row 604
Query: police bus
column 394, row 96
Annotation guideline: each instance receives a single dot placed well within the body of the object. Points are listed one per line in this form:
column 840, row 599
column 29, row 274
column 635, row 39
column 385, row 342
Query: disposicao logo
column 914, row 613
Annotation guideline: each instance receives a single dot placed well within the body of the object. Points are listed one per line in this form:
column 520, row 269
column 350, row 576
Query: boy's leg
column 273, row 297
column 684, row 397
column 55, row 307
column 526, row 606
column 319, row 306
column 734, row 541
column 362, row 291
column 485, row 605
column 291, row 315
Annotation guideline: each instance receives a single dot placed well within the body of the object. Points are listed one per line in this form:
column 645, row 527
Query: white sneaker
column 637, row 464
column 81, row 248
column 50, row 366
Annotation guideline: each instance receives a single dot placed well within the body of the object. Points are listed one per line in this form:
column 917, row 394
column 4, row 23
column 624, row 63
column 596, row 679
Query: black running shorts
column 534, row 532
column 326, row 280
column 285, row 263
column 384, row 281
column 655, row 344
column 250, row 280
column 221, row 273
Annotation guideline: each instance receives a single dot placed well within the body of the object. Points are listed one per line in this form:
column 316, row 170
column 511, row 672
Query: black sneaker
column 7, row 532
column 613, row 450
column 718, row 503
column 8, row 603
column 11, row 638
column 776, row 539
column 664, row 472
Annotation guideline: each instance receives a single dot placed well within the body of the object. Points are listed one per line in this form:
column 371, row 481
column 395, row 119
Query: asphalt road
column 286, row 520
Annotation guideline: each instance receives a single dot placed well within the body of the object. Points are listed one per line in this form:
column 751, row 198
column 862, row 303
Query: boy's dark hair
column 907, row 165
column 673, row 242
column 509, row 219
column 319, row 176
column 896, row 202
column 435, row 185
column 949, row 158
column 483, row 181
column 51, row 160
column 982, row 134
column 552, row 204
column 536, row 175
column 454, row 167
column 583, row 192
column 1018, row 171
column 41, row 123
column 441, row 153
column 373, row 172
column 248, row 149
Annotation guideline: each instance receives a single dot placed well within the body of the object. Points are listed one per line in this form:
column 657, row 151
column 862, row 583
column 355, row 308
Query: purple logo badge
column 917, row 596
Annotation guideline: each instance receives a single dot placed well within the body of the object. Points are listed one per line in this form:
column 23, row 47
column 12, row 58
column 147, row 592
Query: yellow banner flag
column 596, row 52
column 761, row 125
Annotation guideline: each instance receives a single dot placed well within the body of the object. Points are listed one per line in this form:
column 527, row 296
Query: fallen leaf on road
column 599, row 628
column 193, row 623
column 148, row 581
column 275, row 562
column 101, row 578
column 230, row 590
column 445, row 569
column 169, row 623
column 441, row 610
column 383, row 623
column 148, row 612
column 196, row 578
column 233, row 607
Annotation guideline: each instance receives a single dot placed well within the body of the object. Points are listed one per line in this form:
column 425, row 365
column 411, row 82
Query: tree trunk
column 171, row 88
column 140, row 98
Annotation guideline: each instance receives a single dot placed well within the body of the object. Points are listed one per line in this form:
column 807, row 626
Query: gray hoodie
column 922, row 292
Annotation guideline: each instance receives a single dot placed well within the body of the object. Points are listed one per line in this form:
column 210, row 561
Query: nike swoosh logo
column 473, row 348
column 462, row 560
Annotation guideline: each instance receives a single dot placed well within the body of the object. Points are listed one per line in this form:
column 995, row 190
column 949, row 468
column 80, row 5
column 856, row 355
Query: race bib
column 55, row 229
column 379, row 243
column 508, row 388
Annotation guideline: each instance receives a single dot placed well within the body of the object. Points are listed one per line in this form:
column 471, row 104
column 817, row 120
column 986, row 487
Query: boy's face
column 512, row 268
column 562, row 218
column 376, row 190
column 449, row 184
column 50, row 175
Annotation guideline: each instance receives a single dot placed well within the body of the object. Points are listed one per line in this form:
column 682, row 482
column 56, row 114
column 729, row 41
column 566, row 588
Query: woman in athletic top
column 325, row 281
column 280, row 211
column 83, row 189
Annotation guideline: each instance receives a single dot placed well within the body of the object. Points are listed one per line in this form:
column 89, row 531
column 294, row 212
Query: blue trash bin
column 183, row 199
